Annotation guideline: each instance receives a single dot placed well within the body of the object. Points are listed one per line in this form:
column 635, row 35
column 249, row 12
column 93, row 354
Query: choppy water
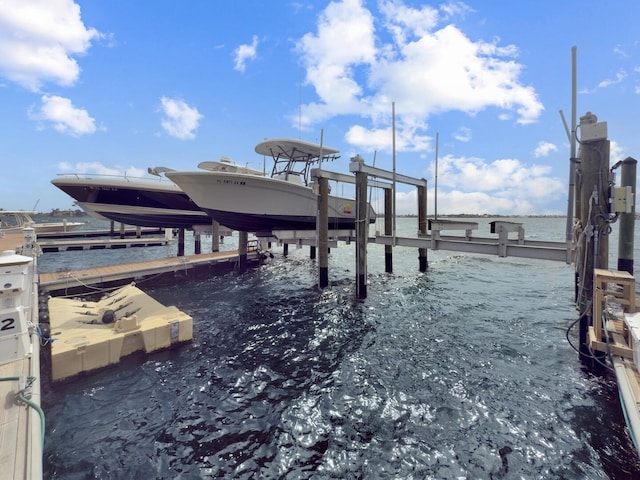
column 461, row 372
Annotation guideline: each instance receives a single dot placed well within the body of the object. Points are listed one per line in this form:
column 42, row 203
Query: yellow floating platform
column 92, row 335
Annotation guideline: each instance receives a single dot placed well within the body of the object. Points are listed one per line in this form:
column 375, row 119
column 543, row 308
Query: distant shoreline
column 81, row 213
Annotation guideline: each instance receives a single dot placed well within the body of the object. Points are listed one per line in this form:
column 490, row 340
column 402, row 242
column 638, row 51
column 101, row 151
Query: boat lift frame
column 503, row 246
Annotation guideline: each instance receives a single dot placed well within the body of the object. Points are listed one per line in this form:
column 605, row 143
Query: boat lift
column 503, row 246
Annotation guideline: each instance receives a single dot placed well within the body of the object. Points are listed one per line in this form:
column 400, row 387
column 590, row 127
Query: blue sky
column 118, row 86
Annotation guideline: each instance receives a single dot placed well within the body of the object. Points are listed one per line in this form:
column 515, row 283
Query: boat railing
column 84, row 176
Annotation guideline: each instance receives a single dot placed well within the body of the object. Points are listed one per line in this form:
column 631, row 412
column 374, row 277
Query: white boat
column 142, row 201
column 284, row 201
column 13, row 220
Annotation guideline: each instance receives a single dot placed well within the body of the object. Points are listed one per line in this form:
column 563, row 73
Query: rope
column 23, row 396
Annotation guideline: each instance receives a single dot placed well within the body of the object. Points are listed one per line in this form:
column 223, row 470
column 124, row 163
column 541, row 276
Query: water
column 461, row 372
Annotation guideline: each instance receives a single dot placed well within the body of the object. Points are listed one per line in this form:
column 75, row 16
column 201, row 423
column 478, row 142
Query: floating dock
column 21, row 417
column 100, row 244
column 92, row 335
column 83, row 280
column 126, row 232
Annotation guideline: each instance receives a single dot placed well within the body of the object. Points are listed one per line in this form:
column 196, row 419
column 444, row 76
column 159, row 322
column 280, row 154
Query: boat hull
column 261, row 204
column 142, row 203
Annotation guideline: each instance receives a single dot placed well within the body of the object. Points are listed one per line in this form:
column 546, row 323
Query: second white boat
column 284, row 201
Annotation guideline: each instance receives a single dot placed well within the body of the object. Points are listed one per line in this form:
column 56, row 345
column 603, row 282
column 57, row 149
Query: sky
column 114, row 87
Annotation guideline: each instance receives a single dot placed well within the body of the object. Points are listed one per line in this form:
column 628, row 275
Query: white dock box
column 15, row 306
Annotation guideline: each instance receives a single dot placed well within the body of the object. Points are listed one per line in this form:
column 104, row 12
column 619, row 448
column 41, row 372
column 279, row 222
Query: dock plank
column 13, row 419
column 94, row 244
column 108, row 273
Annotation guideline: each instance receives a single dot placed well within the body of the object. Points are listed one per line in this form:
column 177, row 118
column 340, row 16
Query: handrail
column 82, row 176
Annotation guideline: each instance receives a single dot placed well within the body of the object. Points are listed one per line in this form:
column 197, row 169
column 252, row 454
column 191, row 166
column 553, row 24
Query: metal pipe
column 572, row 142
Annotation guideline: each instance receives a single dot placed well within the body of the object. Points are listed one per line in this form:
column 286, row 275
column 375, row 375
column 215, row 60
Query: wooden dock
column 127, row 232
column 21, row 418
column 100, row 244
column 615, row 333
column 85, row 279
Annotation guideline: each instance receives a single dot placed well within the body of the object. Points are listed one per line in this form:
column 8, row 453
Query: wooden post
column 197, row 244
column 422, row 226
column 312, row 252
column 627, row 220
column 215, row 236
column 388, row 229
column 121, row 230
column 181, row 242
column 138, row 232
column 243, row 238
column 594, row 244
column 112, row 230
column 362, row 234
column 323, row 232
column 285, row 249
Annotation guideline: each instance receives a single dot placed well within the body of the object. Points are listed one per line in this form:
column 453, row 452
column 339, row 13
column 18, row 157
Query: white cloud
column 413, row 58
column 544, row 148
column 474, row 186
column 607, row 82
column 463, row 134
column 65, row 117
column 244, row 53
column 38, row 40
column 616, row 152
column 179, row 120
column 505, row 180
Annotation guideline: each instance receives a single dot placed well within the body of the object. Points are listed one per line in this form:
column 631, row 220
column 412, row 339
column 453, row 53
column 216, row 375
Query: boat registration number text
column 231, row 182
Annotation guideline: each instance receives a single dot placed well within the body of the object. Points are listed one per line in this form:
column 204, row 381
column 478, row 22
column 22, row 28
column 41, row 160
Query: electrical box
column 591, row 132
column 622, row 199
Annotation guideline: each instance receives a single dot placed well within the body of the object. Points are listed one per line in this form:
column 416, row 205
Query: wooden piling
column 323, row 232
column 594, row 242
column 215, row 236
column 197, row 244
column 362, row 234
column 122, row 231
column 422, row 226
column 242, row 251
column 181, row 242
column 388, row 229
column 627, row 220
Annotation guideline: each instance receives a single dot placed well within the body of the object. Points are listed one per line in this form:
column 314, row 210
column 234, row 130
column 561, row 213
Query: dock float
column 91, row 335
column 82, row 280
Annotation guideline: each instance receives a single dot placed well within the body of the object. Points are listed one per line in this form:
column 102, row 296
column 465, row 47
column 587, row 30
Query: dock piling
column 593, row 243
column 242, row 251
column 323, row 232
column 627, row 219
column 388, row 229
column 422, row 226
column 197, row 243
column 181, row 242
column 215, row 236
column 362, row 234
